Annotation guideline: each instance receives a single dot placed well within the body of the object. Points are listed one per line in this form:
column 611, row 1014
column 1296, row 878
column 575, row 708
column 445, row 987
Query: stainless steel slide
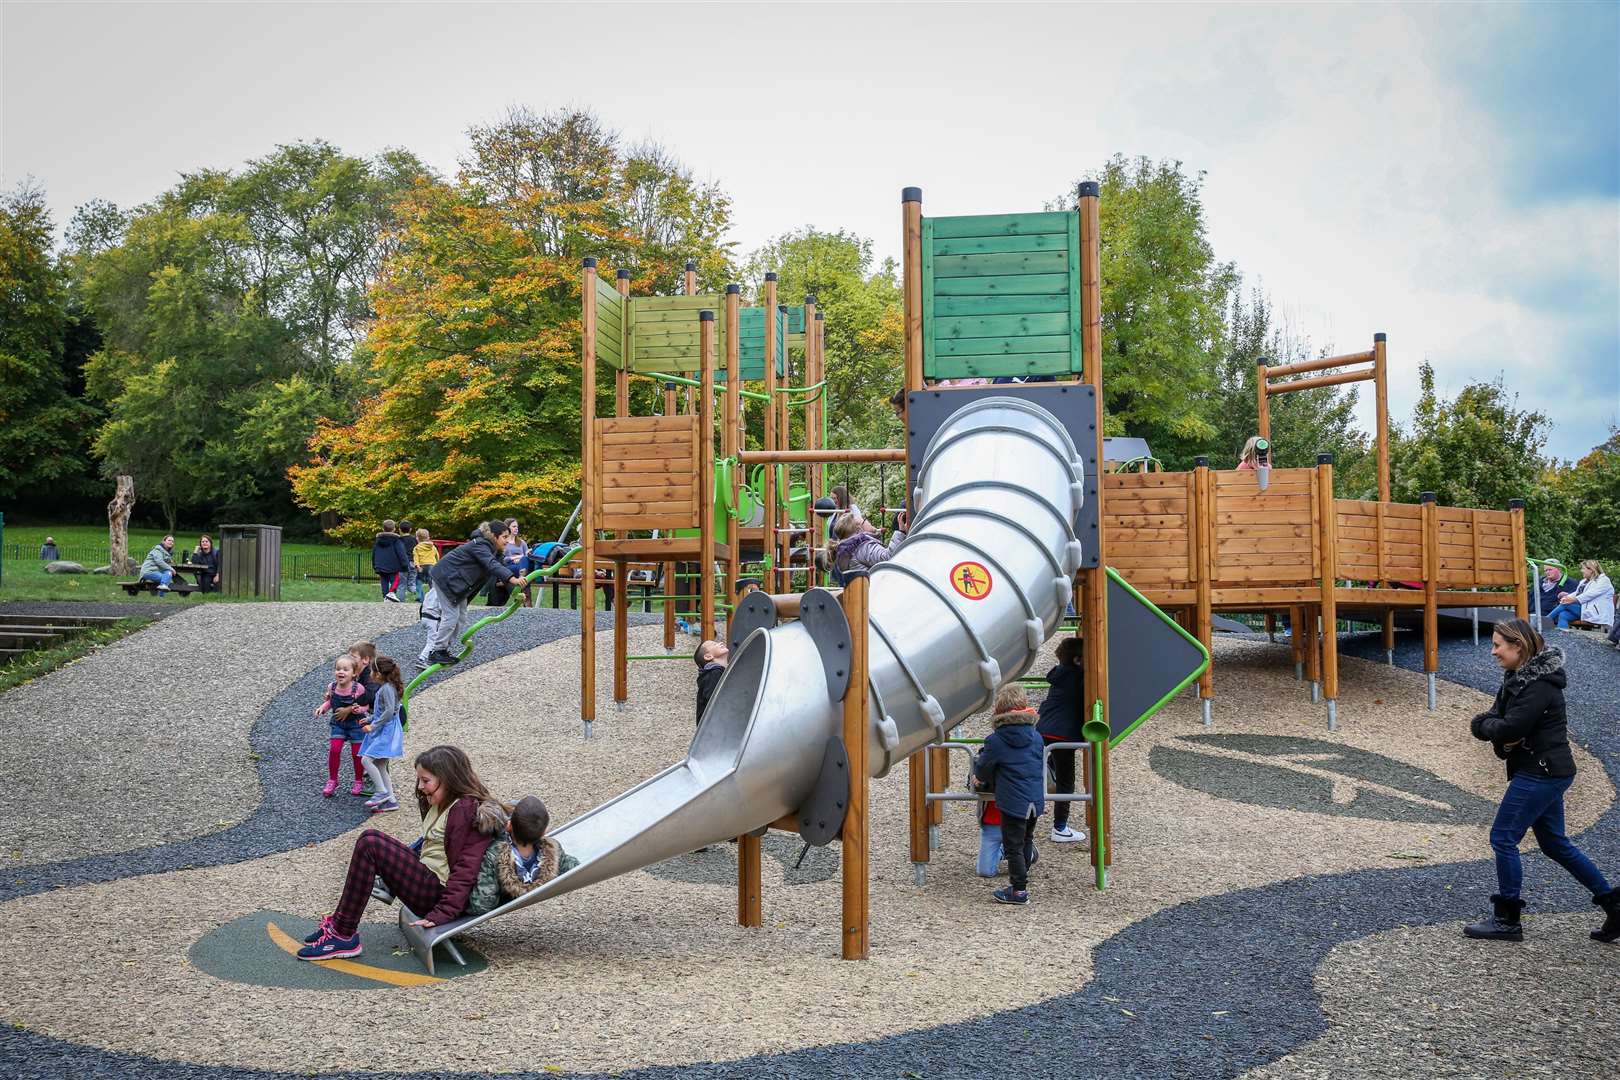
column 964, row 606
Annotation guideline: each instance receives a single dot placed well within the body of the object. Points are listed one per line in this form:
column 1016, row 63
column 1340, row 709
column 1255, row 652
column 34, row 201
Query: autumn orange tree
column 472, row 404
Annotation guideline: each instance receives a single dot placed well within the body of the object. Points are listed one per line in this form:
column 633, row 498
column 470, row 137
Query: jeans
column 989, row 850
column 1564, row 614
column 162, row 577
column 1018, row 838
column 1537, row 803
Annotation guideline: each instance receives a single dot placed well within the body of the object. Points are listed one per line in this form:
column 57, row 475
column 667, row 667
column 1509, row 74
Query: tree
column 1592, row 487
column 44, row 425
column 1480, row 450
column 470, row 407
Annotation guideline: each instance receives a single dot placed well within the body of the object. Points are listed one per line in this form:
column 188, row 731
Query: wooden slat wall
column 1265, row 537
column 609, row 324
column 647, row 473
column 1146, row 516
column 1001, row 295
column 664, row 331
column 1379, row 541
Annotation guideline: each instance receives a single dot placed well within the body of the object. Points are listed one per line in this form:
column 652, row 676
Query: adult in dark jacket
column 1526, row 727
column 207, row 557
column 1061, row 721
column 1010, row 765
column 389, row 558
column 1554, row 582
column 434, row 878
column 457, row 578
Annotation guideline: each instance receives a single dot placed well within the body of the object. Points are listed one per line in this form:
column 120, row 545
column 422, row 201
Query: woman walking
column 1526, row 727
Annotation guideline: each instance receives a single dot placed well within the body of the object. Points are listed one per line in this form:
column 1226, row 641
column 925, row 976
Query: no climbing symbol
column 971, row 580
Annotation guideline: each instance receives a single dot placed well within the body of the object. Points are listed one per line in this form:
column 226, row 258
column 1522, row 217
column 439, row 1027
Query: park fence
column 323, row 566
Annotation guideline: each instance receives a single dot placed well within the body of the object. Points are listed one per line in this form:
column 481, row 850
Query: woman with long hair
column 1526, row 727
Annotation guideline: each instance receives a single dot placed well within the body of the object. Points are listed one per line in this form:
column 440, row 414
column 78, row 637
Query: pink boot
column 331, row 788
column 359, row 788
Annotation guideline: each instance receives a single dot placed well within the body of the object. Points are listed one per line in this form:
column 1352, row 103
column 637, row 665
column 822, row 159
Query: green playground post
column 1095, row 732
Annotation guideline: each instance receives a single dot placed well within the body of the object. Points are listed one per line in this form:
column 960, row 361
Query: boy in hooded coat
column 1013, row 766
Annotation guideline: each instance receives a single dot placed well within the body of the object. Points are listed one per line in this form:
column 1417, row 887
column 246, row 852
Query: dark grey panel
column 1147, row 657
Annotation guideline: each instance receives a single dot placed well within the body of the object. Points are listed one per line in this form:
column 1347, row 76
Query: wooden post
column 1094, row 582
column 1431, row 585
column 1200, row 518
column 705, row 467
column 1521, row 583
column 621, row 633
column 855, row 835
column 731, row 439
column 750, row 910
column 812, row 441
column 1296, row 639
column 784, row 435
column 1264, row 413
column 1330, row 612
column 911, row 303
column 1380, row 351
column 768, row 520
column 689, row 279
column 1313, row 655
column 587, row 502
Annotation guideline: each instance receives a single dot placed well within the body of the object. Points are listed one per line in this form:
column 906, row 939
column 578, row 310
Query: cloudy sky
column 1448, row 174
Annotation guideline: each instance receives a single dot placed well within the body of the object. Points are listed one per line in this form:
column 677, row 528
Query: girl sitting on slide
column 459, row 819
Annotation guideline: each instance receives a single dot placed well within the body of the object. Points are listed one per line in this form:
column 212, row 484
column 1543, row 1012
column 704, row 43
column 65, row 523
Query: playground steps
column 23, row 634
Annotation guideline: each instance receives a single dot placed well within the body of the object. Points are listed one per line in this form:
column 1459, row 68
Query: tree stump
column 118, row 512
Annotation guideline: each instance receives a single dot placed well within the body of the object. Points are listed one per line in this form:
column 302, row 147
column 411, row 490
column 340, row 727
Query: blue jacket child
column 1012, row 765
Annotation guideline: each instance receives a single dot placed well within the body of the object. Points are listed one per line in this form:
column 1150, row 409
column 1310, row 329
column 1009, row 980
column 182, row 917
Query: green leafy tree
column 1592, row 486
column 45, row 425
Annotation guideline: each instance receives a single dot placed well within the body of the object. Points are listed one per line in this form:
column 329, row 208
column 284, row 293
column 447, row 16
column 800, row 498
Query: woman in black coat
column 207, row 557
column 1526, row 727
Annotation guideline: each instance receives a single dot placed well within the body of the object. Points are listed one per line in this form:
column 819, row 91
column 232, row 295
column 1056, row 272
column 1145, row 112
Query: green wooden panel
column 988, row 245
column 990, row 367
column 989, row 346
column 1031, row 304
column 751, row 340
column 657, row 333
column 1074, row 295
column 672, row 317
column 644, row 304
column 930, row 296
column 1016, row 284
column 1001, row 326
column 609, row 324
column 1012, row 262
column 1001, row 225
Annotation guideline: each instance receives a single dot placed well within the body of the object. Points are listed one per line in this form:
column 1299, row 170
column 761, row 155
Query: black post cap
column 706, row 315
column 1425, row 496
column 770, row 275
column 1090, row 188
column 820, row 316
column 670, row 387
column 1324, row 459
column 1515, row 504
column 587, row 262
column 809, row 298
column 1380, row 336
column 782, row 308
column 1201, row 461
column 1264, row 361
column 911, row 194
column 691, row 264
column 732, row 290
column 623, row 275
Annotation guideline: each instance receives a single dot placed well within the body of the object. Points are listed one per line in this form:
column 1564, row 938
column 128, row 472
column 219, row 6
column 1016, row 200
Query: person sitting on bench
column 159, row 564
column 1592, row 602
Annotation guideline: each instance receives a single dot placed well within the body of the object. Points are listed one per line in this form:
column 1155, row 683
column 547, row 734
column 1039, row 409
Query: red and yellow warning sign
column 971, row 580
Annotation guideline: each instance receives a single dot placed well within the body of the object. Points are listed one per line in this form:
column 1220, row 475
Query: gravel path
column 1223, row 984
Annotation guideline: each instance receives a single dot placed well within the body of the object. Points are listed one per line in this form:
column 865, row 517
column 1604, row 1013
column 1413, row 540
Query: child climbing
column 1062, row 715
column 385, row 735
column 1010, row 765
column 711, row 658
column 456, row 579
column 344, row 701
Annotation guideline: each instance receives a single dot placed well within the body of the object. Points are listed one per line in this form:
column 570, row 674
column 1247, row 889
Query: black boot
column 1502, row 924
column 1610, row 903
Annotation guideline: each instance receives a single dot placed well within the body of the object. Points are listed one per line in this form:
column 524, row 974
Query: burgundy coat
column 464, row 847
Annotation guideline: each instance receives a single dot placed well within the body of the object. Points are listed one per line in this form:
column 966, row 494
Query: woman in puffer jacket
column 856, row 545
column 1526, row 728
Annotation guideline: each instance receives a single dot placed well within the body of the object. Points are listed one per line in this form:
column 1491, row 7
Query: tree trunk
column 118, row 512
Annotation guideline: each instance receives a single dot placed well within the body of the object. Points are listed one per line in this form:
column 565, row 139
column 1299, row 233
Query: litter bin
column 250, row 561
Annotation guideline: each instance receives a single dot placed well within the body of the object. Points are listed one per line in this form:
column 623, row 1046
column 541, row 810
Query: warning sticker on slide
column 971, row 580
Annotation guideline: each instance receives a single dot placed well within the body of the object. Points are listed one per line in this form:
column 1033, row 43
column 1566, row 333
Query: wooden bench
column 135, row 588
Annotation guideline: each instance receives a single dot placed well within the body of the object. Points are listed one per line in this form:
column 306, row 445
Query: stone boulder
column 62, row 566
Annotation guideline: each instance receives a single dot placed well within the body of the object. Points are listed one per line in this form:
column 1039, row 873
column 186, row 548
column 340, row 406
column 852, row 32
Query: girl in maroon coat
column 436, row 874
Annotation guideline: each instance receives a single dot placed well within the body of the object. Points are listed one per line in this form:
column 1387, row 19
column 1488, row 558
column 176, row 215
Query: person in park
column 47, row 550
column 1249, row 456
column 1526, row 727
column 159, row 564
column 436, row 875
column 856, row 543
column 456, row 578
column 423, row 556
column 711, row 658
column 1061, row 719
column 1592, row 600
column 389, row 558
column 1554, row 583
column 207, row 557
column 1010, row 765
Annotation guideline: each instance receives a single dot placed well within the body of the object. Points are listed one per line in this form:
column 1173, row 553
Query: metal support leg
column 621, row 706
column 1203, row 706
column 587, row 729
column 1316, row 692
column 1431, row 691
column 1475, row 613
column 1333, row 715
column 1299, row 671
column 933, row 838
column 1389, row 657
column 919, row 873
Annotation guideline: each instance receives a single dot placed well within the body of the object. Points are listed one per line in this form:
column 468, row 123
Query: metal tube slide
column 963, row 608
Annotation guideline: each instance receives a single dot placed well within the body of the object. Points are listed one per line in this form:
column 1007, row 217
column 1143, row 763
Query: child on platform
column 711, row 658
column 343, row 701
column 1010, row 765
column 385, row 735
column 1062, row 721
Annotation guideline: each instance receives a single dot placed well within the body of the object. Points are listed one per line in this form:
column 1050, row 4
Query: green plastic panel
column 1001, row 295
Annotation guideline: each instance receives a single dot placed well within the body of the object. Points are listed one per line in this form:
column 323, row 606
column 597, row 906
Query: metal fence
column 334, row 565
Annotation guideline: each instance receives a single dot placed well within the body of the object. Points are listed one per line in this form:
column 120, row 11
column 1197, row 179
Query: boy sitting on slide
column 529, row 860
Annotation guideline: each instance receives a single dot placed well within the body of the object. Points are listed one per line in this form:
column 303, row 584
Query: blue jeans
column 1537, row 803
column 162, row 577
column 989, row 850
column 1564, row 614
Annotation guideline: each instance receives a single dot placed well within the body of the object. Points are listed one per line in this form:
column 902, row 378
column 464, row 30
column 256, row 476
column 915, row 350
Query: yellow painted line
column 350, row 967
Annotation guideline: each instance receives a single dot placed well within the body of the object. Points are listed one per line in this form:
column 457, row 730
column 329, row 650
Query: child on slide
column 344, row 700
column 385, row 735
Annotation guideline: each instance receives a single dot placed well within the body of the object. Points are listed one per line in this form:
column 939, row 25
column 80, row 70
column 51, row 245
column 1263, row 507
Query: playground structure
column 1015, row 517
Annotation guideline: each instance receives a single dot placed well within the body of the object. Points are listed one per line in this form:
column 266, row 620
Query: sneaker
column 421, row 664
column 331, row 947
column 330, row 789
column 368, row 789
column 162, row 588
column 1009, row 895
column 1066, row 835
column 391, row 596
column 439, row 656
column 384, row 807
column 357, row 788
column 320, row 931
column 381, row 796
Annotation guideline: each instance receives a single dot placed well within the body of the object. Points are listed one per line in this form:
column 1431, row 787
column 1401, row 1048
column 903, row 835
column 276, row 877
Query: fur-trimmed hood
column 1018, row 716
column 1547, row 664
column 551, row 863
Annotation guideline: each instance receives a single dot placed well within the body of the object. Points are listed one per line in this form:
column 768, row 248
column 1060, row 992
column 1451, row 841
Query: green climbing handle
column 1095, row 732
